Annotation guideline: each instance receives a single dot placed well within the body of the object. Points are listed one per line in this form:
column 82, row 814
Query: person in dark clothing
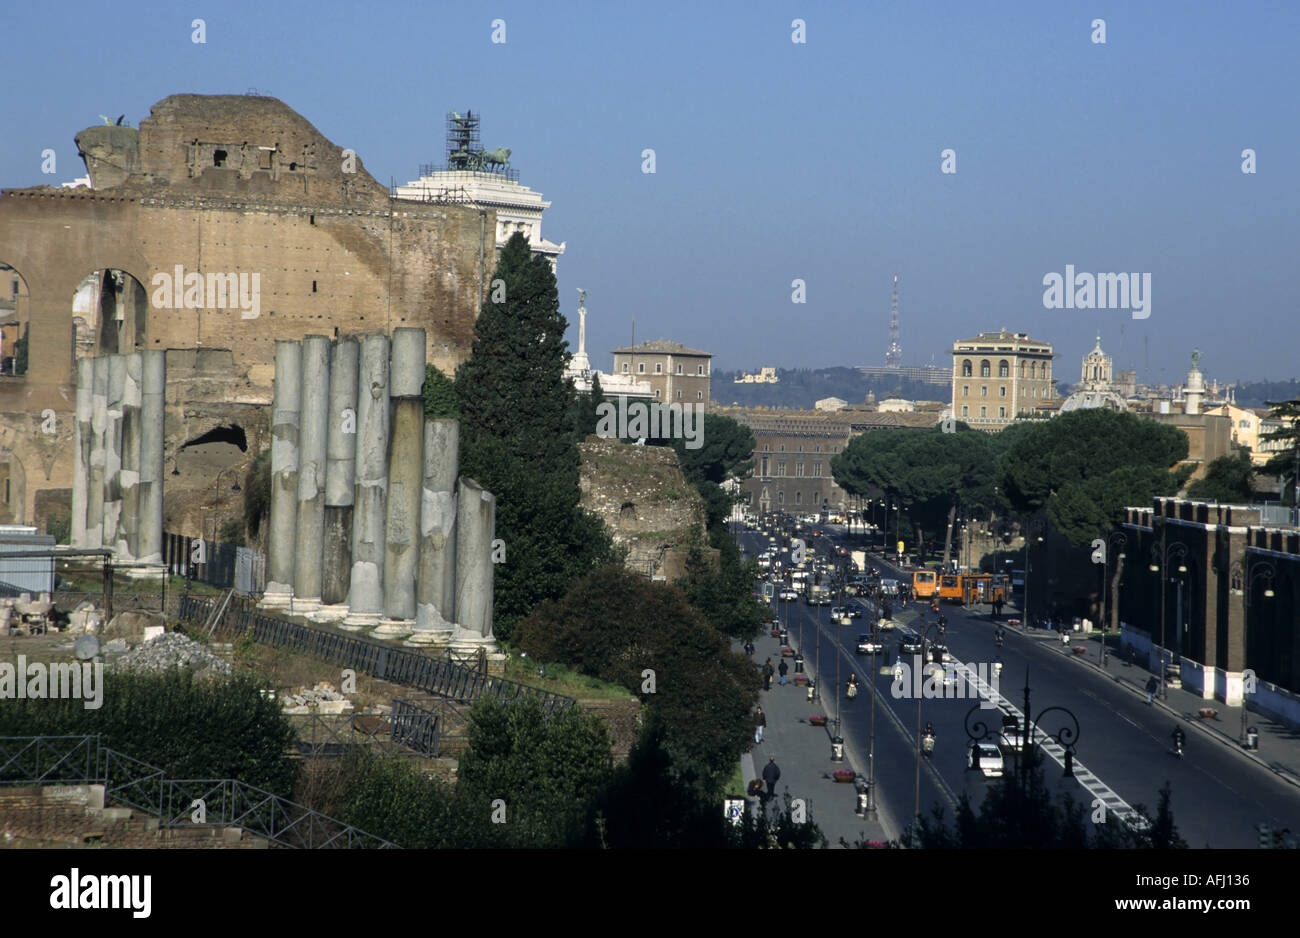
column 783, row 669
column 768, row 671
column 1152, row 686
column 997, row 609
column 771, row 775
column 760, row 721
column 749, row 648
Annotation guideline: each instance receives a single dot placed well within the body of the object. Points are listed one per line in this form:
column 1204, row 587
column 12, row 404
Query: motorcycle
column 1178, row 746
column 997, row 667
column 851, row 690
column 927, row 744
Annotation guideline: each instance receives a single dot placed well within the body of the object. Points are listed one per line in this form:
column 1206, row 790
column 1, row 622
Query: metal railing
column 84, row 760
column 435, row 676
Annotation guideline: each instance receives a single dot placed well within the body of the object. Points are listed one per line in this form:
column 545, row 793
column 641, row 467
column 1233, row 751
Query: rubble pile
column 322, row 698
column 173, row 650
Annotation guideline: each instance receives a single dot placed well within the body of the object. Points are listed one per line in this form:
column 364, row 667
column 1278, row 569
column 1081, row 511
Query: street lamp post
column 1159, row 566
column 925, row 637
column 1114, row 539
column 1260, row 570
column 1067, row 736
column 871, row 740
column 1033, row 531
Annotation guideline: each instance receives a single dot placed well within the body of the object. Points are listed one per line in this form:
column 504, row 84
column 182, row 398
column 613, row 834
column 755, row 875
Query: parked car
column 869, row 646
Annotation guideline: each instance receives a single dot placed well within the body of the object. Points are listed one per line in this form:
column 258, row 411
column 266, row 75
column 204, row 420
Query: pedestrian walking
column 1065, row 637
column 749, row 648
column 771, row 775
column 1152, row 686
column 768, row 672
column 760, row 721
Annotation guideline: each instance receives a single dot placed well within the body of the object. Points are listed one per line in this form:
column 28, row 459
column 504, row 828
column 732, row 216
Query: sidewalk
column 803, row 753
column 1279, row 744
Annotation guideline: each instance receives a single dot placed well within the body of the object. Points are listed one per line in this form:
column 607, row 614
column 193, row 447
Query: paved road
column 1124, row 751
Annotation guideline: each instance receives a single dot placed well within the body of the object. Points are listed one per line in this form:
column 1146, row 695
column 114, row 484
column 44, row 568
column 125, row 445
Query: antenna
column 894, row 357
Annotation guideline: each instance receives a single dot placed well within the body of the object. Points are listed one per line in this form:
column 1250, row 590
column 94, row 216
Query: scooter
column 927, row 745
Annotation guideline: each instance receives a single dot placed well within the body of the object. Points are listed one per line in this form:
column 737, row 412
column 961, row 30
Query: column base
column 421, row 638
column 392, row 628
column 329, row 613
column 464, row 641
column 153, row 572
column 276, row 596
column 305, row 605
column 356, row 621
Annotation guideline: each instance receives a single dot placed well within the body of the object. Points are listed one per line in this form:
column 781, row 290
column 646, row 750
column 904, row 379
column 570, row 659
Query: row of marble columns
column 117, row 489
column 370, row 523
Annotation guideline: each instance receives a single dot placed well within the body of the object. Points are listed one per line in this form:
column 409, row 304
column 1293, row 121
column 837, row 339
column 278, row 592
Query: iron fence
column 225, row 566
column 436, row 676
column 29, row 760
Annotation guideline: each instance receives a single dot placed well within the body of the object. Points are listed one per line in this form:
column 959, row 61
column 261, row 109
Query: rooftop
column 660, row 346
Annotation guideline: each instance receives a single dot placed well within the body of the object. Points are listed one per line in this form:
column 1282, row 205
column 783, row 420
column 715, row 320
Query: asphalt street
column 1123, row 753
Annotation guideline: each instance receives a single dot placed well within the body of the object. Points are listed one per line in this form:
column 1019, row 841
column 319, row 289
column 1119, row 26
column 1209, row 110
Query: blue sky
column 776, row 161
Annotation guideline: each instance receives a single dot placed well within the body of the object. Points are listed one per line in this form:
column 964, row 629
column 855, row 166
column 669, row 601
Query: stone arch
column 15, row 320
column 110, row 313
column 13, row 488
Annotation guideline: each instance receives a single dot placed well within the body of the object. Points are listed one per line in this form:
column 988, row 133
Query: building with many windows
column 998, row 377
column 676, row 374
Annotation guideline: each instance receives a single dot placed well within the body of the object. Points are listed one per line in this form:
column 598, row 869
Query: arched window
column 965, row 369
column 1004, row 370
column 984, row 369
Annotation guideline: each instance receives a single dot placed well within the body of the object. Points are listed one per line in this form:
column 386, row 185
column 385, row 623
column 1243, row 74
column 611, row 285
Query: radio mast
column 894, row 357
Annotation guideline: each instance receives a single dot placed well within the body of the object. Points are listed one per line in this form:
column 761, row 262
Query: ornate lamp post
column 1033, row 534
column 1066, row 735
column 1259, row 570
column 1160, row 564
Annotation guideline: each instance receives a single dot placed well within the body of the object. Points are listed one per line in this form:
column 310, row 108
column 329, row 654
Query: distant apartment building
column 675, row 373
column 927, row 374
column 1248, row 430
column 998, row 377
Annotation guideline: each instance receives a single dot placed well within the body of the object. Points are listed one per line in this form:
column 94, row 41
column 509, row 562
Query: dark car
column 909, row 645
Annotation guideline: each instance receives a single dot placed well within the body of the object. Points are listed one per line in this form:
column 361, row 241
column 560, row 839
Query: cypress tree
column 517, row 437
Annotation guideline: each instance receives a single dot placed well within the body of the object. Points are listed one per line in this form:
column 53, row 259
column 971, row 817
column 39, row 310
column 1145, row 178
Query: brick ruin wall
column 333, row 251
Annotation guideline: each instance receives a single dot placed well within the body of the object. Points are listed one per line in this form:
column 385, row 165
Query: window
column 798, row 498
column 679, row 369
column 1002, row 391
column 780, row 468
column 1002, row 411
column 984, row 369
column 984, row 390
column 656, row 393
column 640, row 369
column 1004, row 370
column 765, row 447
column 819, row 447
column 659, row 369
column 624, row 367
column 984, row 411
column 780, row 498
column 783, row 447
column 965, row 390
column 699, row 395
column 679, row 395
column 965, row 411
column 817, row 470
column 798, row 469
column 965, row 368
column 699, row 369
column 218, row 157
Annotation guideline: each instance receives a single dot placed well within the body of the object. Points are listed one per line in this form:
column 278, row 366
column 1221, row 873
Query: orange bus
column 923, row 584
column 950, row 587
column 983, row 587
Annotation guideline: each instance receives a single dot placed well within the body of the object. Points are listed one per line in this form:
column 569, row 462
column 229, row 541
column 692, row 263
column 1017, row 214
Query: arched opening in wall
column 13, row 488
column 627, row 512
column 233, row 435
column 110, row 314
column 205, row 483
column 15, row 320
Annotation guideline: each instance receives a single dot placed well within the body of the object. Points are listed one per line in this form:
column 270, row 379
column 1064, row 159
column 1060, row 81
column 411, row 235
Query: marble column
column 153, row 415
column 284, row 473
column 405, row 471
column 128, row 530
column 369, row 513
column 475, row 530
column 84, row 433
column 340, row 479
column 436, row 575
column 113, row 451
column 308, row 556
column 99, row 426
